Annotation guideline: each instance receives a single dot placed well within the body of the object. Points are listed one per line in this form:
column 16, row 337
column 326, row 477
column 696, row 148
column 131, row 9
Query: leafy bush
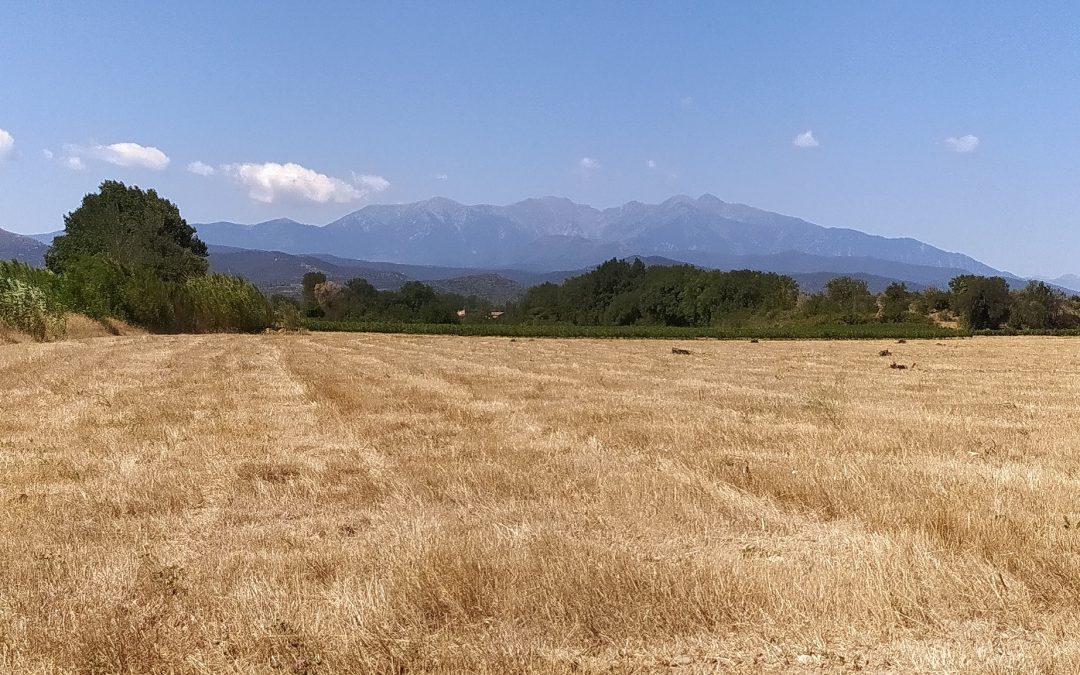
column 220, row 303
column 1038, row 306
column 29, row 309
column 51, row 284
column 94, row 286
column 148, row 301
column 287, row 313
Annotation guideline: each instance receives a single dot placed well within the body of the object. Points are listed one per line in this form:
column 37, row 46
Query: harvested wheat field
column 380, row 503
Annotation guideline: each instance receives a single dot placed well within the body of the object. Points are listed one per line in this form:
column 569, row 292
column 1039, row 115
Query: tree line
column 358, row 300
column 621, row 292
column 630, row 293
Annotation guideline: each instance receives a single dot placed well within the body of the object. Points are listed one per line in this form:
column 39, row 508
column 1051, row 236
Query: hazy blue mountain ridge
column 556, row 233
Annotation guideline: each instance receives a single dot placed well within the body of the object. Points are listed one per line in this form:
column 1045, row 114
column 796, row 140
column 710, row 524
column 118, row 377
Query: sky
column 954, row 123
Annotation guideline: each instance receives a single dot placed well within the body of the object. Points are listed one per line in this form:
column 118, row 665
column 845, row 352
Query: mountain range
column 553, row 233
column 498, row 251
column 22, row 248
column 1066, row 281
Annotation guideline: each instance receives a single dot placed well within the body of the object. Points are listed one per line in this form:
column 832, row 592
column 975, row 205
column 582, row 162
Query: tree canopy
column 980, row 302
column 134, row 228
column 624, row 292
column 895, row 301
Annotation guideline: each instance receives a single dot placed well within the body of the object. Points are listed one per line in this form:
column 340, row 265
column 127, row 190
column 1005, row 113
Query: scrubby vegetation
column 629, row 299
column 36, row 301
column 796, row 331
column 358, row 300
column 27, row 306
column 218, row 303
column 127, row 254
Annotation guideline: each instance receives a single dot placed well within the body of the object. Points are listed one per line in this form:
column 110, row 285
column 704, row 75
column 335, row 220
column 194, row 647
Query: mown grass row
column 792, row 332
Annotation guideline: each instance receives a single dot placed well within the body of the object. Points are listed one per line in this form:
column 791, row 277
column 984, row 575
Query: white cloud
column 7, row 142
column 369, row 183
column 47, row 153
column 587, row 166
column 131, row 155
column 667, row 172
column 441, row 176
column 687, row 100
column 201, row 169
column 963, row 144
column 272, row 182
column 73, row 163
column 805, row 140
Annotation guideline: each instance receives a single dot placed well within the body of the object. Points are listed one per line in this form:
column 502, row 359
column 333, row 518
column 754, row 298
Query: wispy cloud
column 73, row 163
column 805, row 140
column 441, row 176
column 687, row 100
column 47, row 153
column 667, row 172
column 201, row 169
column 7, row 144
column 127, row 154
column 963, row 143
column 271, row 182
column 588, row 166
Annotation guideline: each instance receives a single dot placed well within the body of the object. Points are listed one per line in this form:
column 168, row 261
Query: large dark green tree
column 980, row 302
column 133, row 227
column 895, row 301
column 1036, row 306
column 851, row 295
column 309, row 282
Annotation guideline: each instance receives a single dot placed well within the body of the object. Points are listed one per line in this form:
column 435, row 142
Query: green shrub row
column 781, row 332
column 35, row 300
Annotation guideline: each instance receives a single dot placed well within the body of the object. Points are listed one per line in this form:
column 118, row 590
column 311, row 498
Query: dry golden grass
column 76, row 327
column 79, row 327
column 378, row 503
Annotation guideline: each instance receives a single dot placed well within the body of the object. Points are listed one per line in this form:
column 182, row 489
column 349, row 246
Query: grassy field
column 338, row 502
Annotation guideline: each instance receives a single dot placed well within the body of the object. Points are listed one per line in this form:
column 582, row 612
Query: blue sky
column 312, row 110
